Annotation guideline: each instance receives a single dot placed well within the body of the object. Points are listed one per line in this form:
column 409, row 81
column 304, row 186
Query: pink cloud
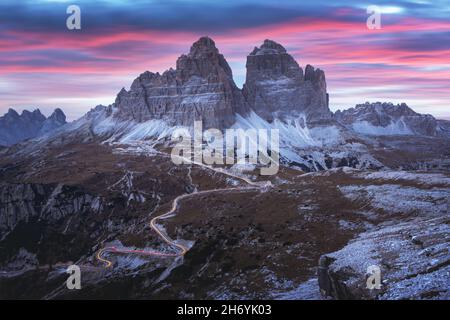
column 345, row 50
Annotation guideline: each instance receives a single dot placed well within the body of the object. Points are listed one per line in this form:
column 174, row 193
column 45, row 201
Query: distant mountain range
column 381, row 119
column 16, row 128
column 277, row 94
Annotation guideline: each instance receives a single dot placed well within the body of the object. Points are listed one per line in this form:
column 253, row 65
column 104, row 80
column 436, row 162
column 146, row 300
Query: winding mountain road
column 181, row 249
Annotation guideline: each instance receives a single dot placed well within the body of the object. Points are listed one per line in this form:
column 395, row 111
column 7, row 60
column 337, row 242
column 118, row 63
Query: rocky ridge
column 202, row 88
column 276, row 86
column 15, row 128
column 391, row 119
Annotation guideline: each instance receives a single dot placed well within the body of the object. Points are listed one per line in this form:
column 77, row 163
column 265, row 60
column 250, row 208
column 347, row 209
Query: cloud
column 150, row 15
column 118, row 41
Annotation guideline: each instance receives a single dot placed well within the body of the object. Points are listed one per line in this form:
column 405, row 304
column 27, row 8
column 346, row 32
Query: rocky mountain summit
column 276, row 86
column 200, row 88
column 15, row 128
column 390, row 119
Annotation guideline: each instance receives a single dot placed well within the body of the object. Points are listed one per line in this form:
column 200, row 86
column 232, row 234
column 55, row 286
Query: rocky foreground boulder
column 202, row 88
column 413, row 258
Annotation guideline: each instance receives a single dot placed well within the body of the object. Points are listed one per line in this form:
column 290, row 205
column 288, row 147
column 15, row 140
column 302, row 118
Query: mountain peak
column 204, row 45
column 275, row 85
column 15, row 128
column 269, row 47
column 58, row 115
column 401, row 109
column 203, row 59
column 34, row 116
column 202, row 87
column 12, row 113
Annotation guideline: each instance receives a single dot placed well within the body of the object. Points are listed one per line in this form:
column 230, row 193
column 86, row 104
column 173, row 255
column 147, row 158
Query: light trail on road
column 181, row 249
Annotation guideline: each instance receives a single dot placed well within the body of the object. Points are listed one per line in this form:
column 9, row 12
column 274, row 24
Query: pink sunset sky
column 44, row 65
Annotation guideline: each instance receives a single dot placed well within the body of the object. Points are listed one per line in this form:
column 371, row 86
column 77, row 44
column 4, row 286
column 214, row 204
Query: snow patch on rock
column 400, row 199
column 394, row 128
column 421, row 178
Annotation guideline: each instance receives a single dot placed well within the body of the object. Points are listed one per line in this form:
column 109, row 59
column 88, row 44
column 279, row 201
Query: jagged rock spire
column 275, row 85
column 200, row 88
column 15, row 128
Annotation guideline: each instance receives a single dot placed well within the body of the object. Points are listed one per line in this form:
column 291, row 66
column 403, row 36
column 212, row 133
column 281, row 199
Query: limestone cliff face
column 201, row 88
column 276, row 86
